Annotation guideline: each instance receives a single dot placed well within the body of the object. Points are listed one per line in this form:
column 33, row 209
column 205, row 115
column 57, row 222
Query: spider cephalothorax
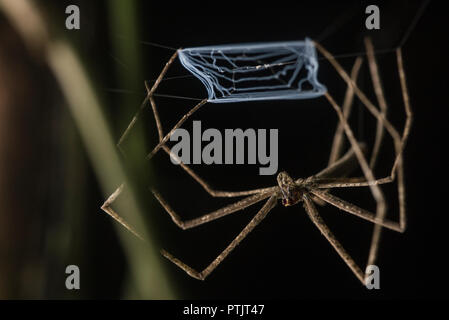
column 291, row 192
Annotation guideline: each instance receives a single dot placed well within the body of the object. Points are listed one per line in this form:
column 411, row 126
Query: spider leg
column 408, row 109
column 207, row 187
column 106, row 207
column 239, row 205
column 367, row 172
column 337, row 144
column 325, row 183
column 177, row 125
column 148, row 97
column 343, row 166
column 269, row 204
column 339, row 168
column 242, row 204
column 202, row 182
column 405, row 134
column 399, row 145
column 312, row 212
column 399, row 140
column 355, row 210
column 156, row 116
column 377, row 84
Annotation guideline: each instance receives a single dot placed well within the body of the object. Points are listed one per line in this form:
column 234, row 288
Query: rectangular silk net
column 250, row 72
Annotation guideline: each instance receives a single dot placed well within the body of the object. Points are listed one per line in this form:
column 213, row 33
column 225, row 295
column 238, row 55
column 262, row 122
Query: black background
column 285, row 257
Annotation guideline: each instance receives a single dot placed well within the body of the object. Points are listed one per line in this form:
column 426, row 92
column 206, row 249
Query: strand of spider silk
column 403, row 40
column 125, row 91
column 412, row 26
column 343, row 55
column 152, row 80
column 162, row 95
column 149, row 43
column 337, row 23
column 91, row 23
column 325, row 34
column 340, row 21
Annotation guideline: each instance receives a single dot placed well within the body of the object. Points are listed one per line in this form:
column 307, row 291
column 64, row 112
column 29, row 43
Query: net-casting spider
column 315, row 189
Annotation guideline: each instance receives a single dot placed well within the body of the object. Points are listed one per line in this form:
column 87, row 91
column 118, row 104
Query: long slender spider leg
column 106, row 207
column 337, row 144
column 399, row 145
column 367, row 172
column 242, row 204
column 398, row 140
column 131, row 124
column 202, row 182
column 163, row 72
column 234, row 207
column 355, row 210
column 340, row 168
column 405, row 135
column 179, row 124
column 343, row 166
column 150, row 92
column 148, row 97
column 377, row 84
column 207, row 187
column 363, row 98
column 312, row 212
column 156, row 117
column 327, row 183
column 398, row 165
column 269, row 204
column 408, row 109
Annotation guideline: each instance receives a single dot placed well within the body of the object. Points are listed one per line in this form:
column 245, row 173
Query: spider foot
column 190, row 271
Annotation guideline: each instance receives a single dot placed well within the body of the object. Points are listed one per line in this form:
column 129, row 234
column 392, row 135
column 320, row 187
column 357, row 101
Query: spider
column 314, row 189
column 290, row 192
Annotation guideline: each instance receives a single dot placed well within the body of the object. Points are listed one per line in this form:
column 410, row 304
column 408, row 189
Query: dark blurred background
column 51, row 192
